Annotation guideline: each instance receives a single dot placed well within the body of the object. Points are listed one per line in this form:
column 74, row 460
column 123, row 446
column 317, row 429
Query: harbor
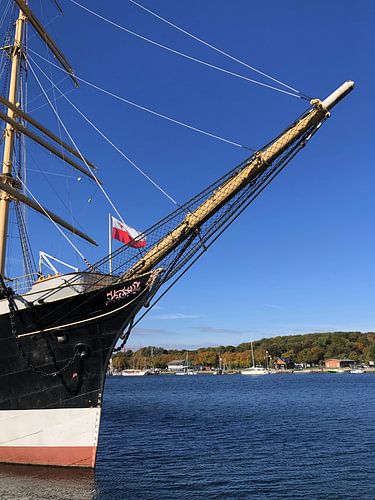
column 300, row 354
column 216, row 436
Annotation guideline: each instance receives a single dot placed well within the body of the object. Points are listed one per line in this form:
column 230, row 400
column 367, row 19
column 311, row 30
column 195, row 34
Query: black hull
column 92, row 322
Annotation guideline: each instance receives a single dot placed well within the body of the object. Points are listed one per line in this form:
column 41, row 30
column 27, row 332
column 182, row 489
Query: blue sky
column 301, row 259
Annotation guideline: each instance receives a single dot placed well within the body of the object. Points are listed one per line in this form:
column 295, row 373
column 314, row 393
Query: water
column 167, row 437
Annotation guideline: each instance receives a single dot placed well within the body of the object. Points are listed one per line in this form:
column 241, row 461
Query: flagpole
column 110, row 242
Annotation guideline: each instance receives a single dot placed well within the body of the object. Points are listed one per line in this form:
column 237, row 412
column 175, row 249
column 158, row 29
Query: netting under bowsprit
column 195, row 240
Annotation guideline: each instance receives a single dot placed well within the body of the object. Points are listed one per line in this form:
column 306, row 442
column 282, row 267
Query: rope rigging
column 187, row 251
column 192, row 259
column 179, row 261
column 123, row 262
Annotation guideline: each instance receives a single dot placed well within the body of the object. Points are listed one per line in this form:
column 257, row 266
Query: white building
column 178, row 365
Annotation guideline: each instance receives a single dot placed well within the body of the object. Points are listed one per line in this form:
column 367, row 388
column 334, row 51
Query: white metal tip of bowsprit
column 339, row 94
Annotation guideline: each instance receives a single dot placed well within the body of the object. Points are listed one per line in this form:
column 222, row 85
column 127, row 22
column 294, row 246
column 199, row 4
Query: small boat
column 154, row 371
column 255, row 370
column 135, row 373
column 357, row 370
column 187, row 372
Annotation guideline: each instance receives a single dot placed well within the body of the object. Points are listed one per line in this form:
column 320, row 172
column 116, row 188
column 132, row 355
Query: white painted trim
column 74, row 427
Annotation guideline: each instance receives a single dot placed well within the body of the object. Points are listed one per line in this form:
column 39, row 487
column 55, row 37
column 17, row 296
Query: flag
column 126, row 234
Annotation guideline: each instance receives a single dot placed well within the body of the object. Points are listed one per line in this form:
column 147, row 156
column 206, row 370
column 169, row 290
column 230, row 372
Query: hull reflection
column 36, row 482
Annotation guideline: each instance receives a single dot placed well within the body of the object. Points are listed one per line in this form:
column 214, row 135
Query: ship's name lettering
column 122, row 293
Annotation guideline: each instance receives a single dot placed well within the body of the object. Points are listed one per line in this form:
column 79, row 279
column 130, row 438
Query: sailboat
column 186, row 370
column 135, row 373
column 254, row 370
column 58, row 332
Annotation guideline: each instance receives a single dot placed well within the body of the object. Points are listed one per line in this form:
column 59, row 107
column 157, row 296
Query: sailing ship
column 58, row 332
column 254, row 370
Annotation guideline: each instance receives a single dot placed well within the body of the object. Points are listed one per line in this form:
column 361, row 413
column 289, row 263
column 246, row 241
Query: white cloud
column 173, row 316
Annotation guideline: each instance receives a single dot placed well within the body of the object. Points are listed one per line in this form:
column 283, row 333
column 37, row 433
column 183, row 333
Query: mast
column 227, row 191
column 6, row 176
column 11, row 187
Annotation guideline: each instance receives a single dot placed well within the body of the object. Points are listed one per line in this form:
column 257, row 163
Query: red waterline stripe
column 68, row 456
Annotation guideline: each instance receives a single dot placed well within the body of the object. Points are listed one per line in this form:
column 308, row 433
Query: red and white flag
column 126, row 234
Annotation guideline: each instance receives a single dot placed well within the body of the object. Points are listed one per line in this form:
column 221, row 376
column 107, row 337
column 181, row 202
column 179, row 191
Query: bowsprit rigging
column 58, row 333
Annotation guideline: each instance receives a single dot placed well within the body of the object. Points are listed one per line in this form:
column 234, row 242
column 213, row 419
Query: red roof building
column 283, row 364
column 338, row 363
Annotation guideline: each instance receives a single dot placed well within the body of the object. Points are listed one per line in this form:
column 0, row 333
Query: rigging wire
column 54, row 223
column 45, row 26
column 50, row 88
column 5, row 13
column 53, row 173
column 67, row 184
column 186, row 56
column 109, row 142
column 58, row 6
column 46, row 103
column 227, row 224
column 4, row 57
column 70, row 137
column 21, row 210
column 165, row 117
column 143, row 108
column 153, row 13
column 51, row 185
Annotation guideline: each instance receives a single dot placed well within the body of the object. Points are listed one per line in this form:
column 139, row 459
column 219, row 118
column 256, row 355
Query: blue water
column 168, row 437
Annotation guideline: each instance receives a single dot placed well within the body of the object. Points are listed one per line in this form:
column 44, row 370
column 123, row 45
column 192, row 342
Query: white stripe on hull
column 56, row 427
column 64, row 436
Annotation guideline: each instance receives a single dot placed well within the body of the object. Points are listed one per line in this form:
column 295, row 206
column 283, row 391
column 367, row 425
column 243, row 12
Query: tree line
column 311, row 348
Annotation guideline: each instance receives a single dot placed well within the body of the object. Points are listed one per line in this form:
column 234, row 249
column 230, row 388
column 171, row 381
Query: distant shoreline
column 309, row 351
column 319, row 371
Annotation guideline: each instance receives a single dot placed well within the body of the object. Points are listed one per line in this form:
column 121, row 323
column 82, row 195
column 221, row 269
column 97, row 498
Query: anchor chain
column 8, row 294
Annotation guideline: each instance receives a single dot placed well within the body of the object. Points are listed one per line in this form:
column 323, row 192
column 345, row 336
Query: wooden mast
column 224, row 193
column 10, row 187
column 6, row 176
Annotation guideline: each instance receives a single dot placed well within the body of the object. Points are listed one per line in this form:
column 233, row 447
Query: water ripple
column 229, row 437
